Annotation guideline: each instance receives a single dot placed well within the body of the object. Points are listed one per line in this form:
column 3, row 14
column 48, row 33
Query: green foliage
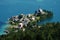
column 50, row 31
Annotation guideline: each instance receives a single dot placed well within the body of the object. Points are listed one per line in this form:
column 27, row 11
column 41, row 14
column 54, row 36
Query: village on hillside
column 28, row 27
column 28, row 21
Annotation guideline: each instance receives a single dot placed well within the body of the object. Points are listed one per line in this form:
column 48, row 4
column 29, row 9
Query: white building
column 29, row 15
column 33, row 18
column 25, row 21
column 20, row 25
column 42, row 12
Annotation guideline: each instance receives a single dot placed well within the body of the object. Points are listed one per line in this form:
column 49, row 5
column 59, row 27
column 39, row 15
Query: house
column 33, row 18
column 39, row 12
column 23, row 29
column 42, row 12
column 14, row 18
column 20, row 25
column 29, row 15
column 25, row 21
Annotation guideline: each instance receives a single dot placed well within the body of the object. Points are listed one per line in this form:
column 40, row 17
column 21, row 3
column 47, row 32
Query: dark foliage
column 49, row 31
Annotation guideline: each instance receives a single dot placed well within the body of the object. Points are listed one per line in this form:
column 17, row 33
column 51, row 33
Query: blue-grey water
column 10, row 8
